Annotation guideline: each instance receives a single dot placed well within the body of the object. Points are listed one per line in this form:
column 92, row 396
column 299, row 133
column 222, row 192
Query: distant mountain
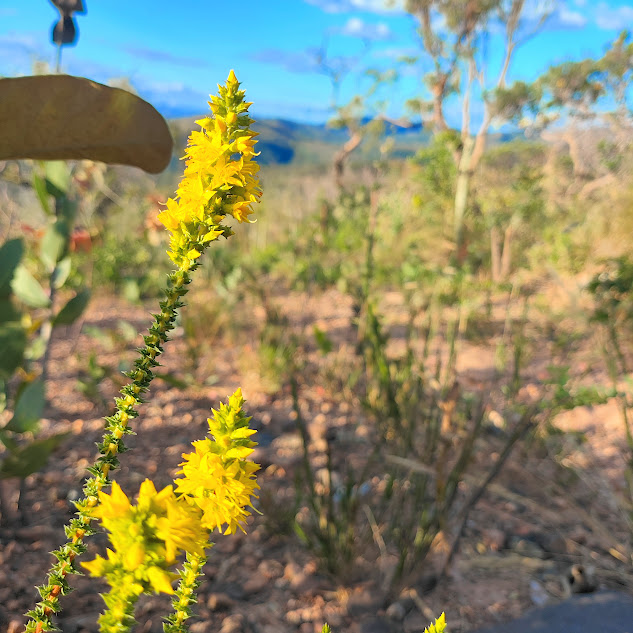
column 282, row 141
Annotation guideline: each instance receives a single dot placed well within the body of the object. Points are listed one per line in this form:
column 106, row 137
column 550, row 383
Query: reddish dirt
column 557, row 502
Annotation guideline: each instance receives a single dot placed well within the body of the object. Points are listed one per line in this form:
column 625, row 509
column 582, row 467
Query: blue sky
column 174, row 54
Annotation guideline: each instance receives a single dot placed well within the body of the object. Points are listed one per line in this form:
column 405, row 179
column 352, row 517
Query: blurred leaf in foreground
column 59, row 117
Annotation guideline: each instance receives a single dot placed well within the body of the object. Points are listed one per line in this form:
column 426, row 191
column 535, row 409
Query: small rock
column 294, row 574
column 527, row 547
column 538, row 595
column 494, row 539
column 295, row 616
column 232, row 623
column 220, row 602
column 255, row 584
column 15, row 626
column 200, row 627
column 396, row 611
column 271, row 569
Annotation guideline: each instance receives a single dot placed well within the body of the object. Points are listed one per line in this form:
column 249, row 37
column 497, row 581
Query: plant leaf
column 13, row 344
column 73, row 309
column 57, row 178
column 61, row 272
column 10, row 255
column 42, row 194
column 27, row 289
column 28, row 408
column 54, row 243
column 28, row 459
column 59, row 117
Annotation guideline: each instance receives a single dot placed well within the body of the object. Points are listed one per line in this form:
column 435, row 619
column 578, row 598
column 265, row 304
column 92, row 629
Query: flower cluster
column 217, row 486
column 146, row 537
column 220, row 177
column 217, row 478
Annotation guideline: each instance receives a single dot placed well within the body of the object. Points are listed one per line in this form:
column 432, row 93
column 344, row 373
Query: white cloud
column 355, row 27
column 395, row 52
column 609, row 18
column 570, row 18
column 559, row 15
column 345, row 6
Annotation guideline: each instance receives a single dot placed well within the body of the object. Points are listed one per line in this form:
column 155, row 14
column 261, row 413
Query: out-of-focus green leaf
column 54, row 244
column 28, row 408
column 3, row 395
column 10, row 256
column 36, row 348
column 61, row 272
column 73, row 309
column 6, row 440
column 27, row 289
column 53, row 117
column 8, row 312
column 57, row 177
column 323, row 341
column 131, row 290
column 173, row 381
column 12, row 343
column 67, row 209
column 28, row 459
column 42, row 193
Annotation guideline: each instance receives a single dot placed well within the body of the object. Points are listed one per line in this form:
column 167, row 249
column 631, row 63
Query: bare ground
column 557, row 502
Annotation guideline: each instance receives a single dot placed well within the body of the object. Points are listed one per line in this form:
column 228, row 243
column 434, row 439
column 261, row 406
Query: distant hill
column 283, row 142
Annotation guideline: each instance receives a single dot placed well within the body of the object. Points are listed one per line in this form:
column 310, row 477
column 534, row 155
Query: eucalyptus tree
column 455, row 36
column 587, row 98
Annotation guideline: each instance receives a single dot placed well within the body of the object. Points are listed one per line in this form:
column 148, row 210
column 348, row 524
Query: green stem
column 116, row 427
column 120, row 603
column 185, row 594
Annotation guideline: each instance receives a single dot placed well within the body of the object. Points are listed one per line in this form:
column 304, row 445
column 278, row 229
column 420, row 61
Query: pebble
column 233, row 623
column 255, row 584
column 270, row 569
column 220, row 602
column 396, row 611
column 538, row 595
column 494, row 539
column 526, row 547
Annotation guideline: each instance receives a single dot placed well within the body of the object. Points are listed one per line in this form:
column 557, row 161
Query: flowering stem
column 116, row 427
column 120, row 603
column 185, row 594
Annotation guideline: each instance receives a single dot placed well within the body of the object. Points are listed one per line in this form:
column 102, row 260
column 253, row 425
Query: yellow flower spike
column 112, row 505
column 160, row 580
column 218, row 179
column 96, row 567
column 134, row 557
column 216, row 476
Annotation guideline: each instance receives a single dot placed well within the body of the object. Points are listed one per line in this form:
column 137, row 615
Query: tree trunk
column 495, row 254
column 506, row 255
column 462, row 190
column 340, row 158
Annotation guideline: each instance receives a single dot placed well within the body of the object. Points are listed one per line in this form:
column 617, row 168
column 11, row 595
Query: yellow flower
column 216, row 476
column 219, row 178
column 146, row 537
